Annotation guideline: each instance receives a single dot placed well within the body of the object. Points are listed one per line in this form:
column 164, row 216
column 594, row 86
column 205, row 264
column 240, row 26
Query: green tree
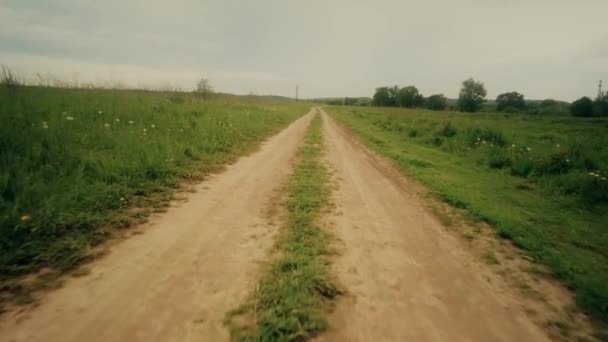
column 472, row 96
column 582, row 107
column 600, row 105
column 510, row 102
column 385, row 96
column 409, row 97
column 437, row 102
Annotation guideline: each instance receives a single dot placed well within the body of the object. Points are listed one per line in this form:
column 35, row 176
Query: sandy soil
column 407, row 278
column 190, row 266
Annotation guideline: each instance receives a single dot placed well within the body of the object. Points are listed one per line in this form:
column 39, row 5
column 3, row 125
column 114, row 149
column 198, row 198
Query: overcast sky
column 542, row 48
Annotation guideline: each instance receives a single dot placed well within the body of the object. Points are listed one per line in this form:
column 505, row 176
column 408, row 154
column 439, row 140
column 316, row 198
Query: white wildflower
column 513, row 146
column 529, row 149
column 106, row 125
column 69, row 118
column 152, row 126
column 117, row 120
column 130, row 122
column 145, row 130
column 557, row 145
column 122, row 199
column 100, row 112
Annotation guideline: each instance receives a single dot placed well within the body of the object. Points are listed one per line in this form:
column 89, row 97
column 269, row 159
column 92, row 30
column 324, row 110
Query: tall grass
column 73, row 160
column 540, row 181
column 291, row 302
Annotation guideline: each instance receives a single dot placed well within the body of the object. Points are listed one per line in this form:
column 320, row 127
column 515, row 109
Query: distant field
column 73, row 160
column 541, row 181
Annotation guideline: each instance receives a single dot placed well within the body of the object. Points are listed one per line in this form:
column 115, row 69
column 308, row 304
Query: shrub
column 511, row 102
column 522, row 165
column 498, row 158
column 437, row 102
column 556, row 163
column 582, row 107
column 595, row 189
column 447, row 130
column 436, row 140
column 477, row 136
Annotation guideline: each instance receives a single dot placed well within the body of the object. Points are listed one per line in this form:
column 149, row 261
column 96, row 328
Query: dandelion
column 25, row 218
column 130, row 122
column 117, row 120
column 106, row 125
column 69, row 118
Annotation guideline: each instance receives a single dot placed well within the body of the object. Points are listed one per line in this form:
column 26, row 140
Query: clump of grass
column 291, row 300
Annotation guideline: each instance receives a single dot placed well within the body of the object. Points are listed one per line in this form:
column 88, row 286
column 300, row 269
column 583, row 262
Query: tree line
column 472, row 98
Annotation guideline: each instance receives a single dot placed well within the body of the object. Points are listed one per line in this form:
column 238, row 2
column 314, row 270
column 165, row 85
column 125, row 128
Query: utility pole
column 297, row 89
column 599, row 90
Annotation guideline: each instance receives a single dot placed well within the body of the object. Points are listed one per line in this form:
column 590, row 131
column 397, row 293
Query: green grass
column 76, row 163
column 540, row 181
column 292, row 298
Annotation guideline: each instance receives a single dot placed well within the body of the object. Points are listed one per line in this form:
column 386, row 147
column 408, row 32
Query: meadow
column 539, row 180
column 77, row 164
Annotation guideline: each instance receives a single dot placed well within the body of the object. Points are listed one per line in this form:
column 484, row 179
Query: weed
column 291, row 300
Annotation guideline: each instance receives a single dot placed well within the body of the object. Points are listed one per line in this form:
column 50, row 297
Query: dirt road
column 175, row 281
column 409, row 280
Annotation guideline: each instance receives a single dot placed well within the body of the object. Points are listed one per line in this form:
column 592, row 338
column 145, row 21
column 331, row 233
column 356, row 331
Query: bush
column 522, row 165
column 511, row 102
column 595, row 189
column 447, row 130
column 556, row 163
column 498, row 158
column 600, row 106
column 582, row 107
column 477, row 136
column 437, row 102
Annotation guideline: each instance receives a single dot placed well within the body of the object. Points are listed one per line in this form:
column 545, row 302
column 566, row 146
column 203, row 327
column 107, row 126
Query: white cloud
column 543, row 48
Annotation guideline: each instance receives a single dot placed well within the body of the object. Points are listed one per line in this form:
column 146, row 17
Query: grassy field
column 539, row 180
column 292, row 297
column 77, row 163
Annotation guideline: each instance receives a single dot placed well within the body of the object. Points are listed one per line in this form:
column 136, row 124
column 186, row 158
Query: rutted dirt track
column 408, row 280
column 176, row 281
